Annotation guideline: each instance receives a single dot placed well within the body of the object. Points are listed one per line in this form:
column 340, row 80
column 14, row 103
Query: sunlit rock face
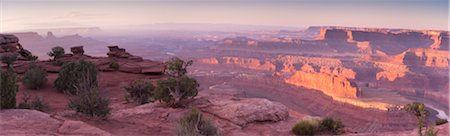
column 327, row 83
column 426, row 57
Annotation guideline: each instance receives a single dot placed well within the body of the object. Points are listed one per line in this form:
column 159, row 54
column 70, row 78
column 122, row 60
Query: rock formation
column 32, row 122
column 10, row 44
column 120, row 53
column 385, row 39
column 77, row 50
column 329, row 84
column 244, row 111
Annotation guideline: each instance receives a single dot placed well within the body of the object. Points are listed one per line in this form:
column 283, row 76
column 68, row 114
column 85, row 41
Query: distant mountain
column 212, row 27
column 83, row 31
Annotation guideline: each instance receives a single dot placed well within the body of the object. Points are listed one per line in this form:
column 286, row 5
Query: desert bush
column 8, row 89
column 440, row 121
column 194, row 124
column 57, row 52
column 70, row 74
column 114, row 65
column 36, row 104
column 331, row 125
column 306, row 128
column 35, row 77
column 430, row 131
column 140, row 91
column 9, row 59
column 173, row 91
column 178, row 86
column 91, row 103
column 418, row 110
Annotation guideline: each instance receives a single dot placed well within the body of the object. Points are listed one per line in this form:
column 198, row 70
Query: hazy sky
column 414, row 14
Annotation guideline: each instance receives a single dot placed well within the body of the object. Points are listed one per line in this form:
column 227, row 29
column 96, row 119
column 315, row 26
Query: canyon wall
column 390, row 41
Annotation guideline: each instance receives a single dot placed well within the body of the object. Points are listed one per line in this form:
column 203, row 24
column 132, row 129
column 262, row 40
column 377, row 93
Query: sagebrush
column 194, row 124
column 35, row 77
column 140, row 91
column 72, row 72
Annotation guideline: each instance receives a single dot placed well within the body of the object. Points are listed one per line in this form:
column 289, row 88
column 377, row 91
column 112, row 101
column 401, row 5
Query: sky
column 39, row 14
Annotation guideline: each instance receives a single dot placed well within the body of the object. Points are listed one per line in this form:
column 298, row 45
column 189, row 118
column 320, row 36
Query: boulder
column 242, row 111
column 77, row 50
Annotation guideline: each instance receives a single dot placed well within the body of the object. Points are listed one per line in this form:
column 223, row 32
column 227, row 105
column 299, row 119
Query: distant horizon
column 106, row 14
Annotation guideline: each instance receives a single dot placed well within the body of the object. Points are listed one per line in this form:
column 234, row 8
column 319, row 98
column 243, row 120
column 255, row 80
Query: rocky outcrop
column 120, row 53
column 10, row 44
column 77, row 50
column 242, row 111
column 32, row 122
column 425, row 57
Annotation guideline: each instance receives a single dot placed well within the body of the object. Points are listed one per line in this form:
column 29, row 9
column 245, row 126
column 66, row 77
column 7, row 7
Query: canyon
column 363, row 76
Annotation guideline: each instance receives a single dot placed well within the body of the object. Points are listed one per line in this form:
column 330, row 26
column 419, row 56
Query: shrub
column 71, row 73
column 173, row 91
column 331, row 125
column 114, row 65
column 307, row 127
column 91, row 103
column 8, row 89
column 418, row 109
column 36, row 104
column 440, row 121
column 35, row 77
column 57, row 52
column 430, row 131
column 9, row 59
column 140, row 91
column 178, row 86
column 193, row 124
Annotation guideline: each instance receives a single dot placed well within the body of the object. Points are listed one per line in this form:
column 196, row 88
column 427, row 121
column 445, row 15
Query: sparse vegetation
column 9, row 59
column 331, row 125
column 36, row 104
column 440, row 121
column 114, row 65
column 70, row 74
column 311, row 127
column 8, row 89
column 306, row 128
column 178, row 86
column 91, row 103
column 418, row 110
column 57, row 52
column 194, row 124
column 140, row 91
column 430, row 131
column 35, row 77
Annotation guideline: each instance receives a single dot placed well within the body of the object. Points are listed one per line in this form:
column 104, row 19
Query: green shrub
column 35, row 77
column 8, row 89
column 9, row 59
column 173, row 92
column 140, row 91
column 114, row 65
column 306, row 128
column 440, row 121
column 178, row 86
column 91, row 103
column 331, row 125
column 57, row 52
column 193, row 124
column 71, row 73
column 36, row 104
